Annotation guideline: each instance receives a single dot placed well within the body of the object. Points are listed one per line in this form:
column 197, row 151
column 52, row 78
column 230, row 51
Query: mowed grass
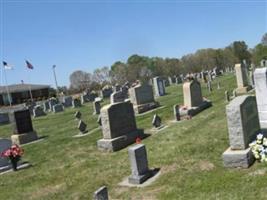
column 188, row 153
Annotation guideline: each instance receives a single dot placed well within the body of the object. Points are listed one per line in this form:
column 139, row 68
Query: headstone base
column 24, row 138
column 139, row 179
column 195, row 110
column 145, row 107
column 263, row 124
column 119, row 143
column 243, row 90
column 238, row 158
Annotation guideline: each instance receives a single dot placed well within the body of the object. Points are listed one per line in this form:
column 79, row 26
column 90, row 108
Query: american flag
column 29, row 65
column 6, row 66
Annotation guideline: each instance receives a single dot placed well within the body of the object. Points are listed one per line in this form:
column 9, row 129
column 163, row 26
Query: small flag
column 54, row 66
column 6, row 66
column 29, row 65
column 22, row 82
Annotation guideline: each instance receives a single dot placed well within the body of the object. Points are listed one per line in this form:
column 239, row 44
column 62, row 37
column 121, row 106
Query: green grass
column 188, row 153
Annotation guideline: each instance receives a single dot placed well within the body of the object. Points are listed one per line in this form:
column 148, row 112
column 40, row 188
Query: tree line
column 138, row 67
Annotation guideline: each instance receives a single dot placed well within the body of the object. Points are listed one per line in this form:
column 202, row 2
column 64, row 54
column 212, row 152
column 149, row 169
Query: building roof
column 22, row 88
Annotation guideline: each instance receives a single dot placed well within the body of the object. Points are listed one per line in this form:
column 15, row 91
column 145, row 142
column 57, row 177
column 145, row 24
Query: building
column 20, row 93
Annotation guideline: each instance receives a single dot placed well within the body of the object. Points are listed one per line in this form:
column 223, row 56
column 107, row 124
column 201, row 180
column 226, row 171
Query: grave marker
column 118, row 127
column 22, row 127
column 243, row 126
column 260, row 77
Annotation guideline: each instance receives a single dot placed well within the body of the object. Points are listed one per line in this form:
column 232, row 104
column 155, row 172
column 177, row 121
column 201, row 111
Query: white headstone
column 260, row 78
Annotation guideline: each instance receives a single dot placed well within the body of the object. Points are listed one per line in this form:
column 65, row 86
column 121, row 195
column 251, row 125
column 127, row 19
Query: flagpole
column 29, row 85
column 55, row 77
column 7, row 90
column 29, row 65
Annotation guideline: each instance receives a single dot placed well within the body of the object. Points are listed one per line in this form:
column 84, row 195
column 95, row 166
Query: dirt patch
column 45, row 191
column 259, row 172
column 205, row 165
column 168, row 168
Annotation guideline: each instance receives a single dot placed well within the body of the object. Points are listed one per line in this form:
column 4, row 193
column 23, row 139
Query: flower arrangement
column 138, row 140
column 14, row 153
column 259, row 148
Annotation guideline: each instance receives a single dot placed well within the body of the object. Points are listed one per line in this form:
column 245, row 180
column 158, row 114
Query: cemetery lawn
column 188, row 154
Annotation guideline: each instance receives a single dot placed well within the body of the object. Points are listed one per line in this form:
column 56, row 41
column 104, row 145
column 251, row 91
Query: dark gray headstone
column 58, row 108
column 67, row 101
column 38, row 111
column 101, row 194
column 78, row 115
column 22, row 122
column 97, row 107
column 82, row 126
column 156, row 122
column 176, row 112
column 76, row 103
column 4, row 145
column 4, row 118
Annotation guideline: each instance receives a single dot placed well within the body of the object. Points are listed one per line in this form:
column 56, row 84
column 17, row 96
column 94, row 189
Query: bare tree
column 80, row 80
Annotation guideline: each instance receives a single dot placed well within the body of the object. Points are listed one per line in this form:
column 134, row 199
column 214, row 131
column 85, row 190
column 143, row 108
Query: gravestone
column 58, row 108
column 4, row 145
column 171, row 80
column 97, row 107
column 263, row 63
column 92, row 95
column 159, row 87
column 178, row 80
column 227, row 96
column 260, row 78
column 82, row 127
column 242, row 79
column 4, row 119
column 234, row 94
column 243, row 126
column 22, row 127
column 141, row 96
column 118, row 126
column 76, row 103
column 84, row 98
column 106, row 91
column 192, row 94
column 193, row 100
column 46, row 106
column 156, row 121
column 99, row 120
column 116, row 88
column 78, row 115
column 38, row 111
column 52, row 102
column 166, row 83
column 117, row 97
column 176, row 112
column 139, row 164
column 101, row 194
column 209, row 86
column 67, row 101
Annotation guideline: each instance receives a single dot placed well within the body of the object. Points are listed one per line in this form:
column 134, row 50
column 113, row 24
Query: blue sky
column 85, row 35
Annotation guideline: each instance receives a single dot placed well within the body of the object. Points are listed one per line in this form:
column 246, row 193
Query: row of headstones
column 141, row 95
column 55, row 106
